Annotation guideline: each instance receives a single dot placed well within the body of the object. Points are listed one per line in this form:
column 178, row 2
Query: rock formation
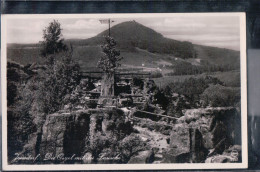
column 65, row 133
column 69, row 134
column 202, row 133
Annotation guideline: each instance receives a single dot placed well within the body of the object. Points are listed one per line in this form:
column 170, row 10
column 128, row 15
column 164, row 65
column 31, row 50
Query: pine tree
column 110, row 60
column 108, row 63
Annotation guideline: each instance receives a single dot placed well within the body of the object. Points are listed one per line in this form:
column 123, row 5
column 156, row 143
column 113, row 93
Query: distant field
column 139, row 59
column 88, row 56
column 230, row 78
column 24, row 56
column 166, row 80
column 88, row 52
column 218, row 56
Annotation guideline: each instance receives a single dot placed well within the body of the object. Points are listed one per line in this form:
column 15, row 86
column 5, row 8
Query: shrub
column 11, row 92
column 109, row 144
column 51, row 87
column 218, row 95
column 138, row 82
column 78, row 96
column 176, row 106
column 45, row 92
column 129, row 146
column 98, row 143
column 192, row 88
column 20, row 121
column 160, row 98
column 117, row 123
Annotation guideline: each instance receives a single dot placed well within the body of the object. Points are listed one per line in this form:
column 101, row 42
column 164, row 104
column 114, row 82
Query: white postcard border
column 243, row 67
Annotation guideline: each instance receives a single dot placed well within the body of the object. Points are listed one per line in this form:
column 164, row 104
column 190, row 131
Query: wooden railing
column 155, row 114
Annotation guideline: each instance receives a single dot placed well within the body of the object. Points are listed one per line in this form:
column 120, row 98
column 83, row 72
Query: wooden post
column 108, row 84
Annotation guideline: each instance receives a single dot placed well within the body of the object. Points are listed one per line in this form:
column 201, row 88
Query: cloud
column 202, row 30
column 206, row 30
column 78, row 35
column 25, row 30
column 222, row 41
column 84, row 24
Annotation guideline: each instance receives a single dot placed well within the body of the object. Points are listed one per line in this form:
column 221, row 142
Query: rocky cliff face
column 65, row 133
column 76, row 135
column 202, row 133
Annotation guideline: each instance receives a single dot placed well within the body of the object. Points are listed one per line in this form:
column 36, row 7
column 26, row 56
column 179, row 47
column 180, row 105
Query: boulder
column 142, row 157
column 175, row 155
column 201, row 131
column 185, row 146
column 217, row 159
column 215, row 124
column 198, row 151
column 180, row 138
column 232, row 154
column 64, row 134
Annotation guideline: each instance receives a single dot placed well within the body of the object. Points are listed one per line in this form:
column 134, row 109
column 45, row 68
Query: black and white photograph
column 124, row 91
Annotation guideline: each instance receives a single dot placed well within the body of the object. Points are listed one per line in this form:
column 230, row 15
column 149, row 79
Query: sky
column 217, row 31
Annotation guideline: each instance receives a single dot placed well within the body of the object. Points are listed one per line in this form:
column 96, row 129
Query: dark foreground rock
column 203, row 132
column 143, row 157
column 232, row 154
column 64, row 134
column 86, row 133
column 83, row 136
column 218, row 126
column 185, row 146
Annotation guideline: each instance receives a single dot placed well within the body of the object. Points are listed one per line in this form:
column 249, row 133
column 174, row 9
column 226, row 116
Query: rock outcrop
column 202, row 133
column 143, row 157
column 73, row 134
column 215, row 125
column 64, row 134
column 232, row 154
column 185, row 146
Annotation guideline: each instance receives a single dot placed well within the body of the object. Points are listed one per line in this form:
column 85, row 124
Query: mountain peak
column 132, row 30
column 131, row 35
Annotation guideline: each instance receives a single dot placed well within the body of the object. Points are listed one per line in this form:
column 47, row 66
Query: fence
column 125, row 75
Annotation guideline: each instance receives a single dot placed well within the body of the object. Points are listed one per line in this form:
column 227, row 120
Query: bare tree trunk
column 108, row 84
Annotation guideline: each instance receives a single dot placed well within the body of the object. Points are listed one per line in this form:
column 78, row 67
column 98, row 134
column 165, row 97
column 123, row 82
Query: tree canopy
column 52, row 39
column 111, row 56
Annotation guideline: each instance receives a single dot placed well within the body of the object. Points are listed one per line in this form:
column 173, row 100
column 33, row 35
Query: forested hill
column 131, row 35
column 138, row 44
